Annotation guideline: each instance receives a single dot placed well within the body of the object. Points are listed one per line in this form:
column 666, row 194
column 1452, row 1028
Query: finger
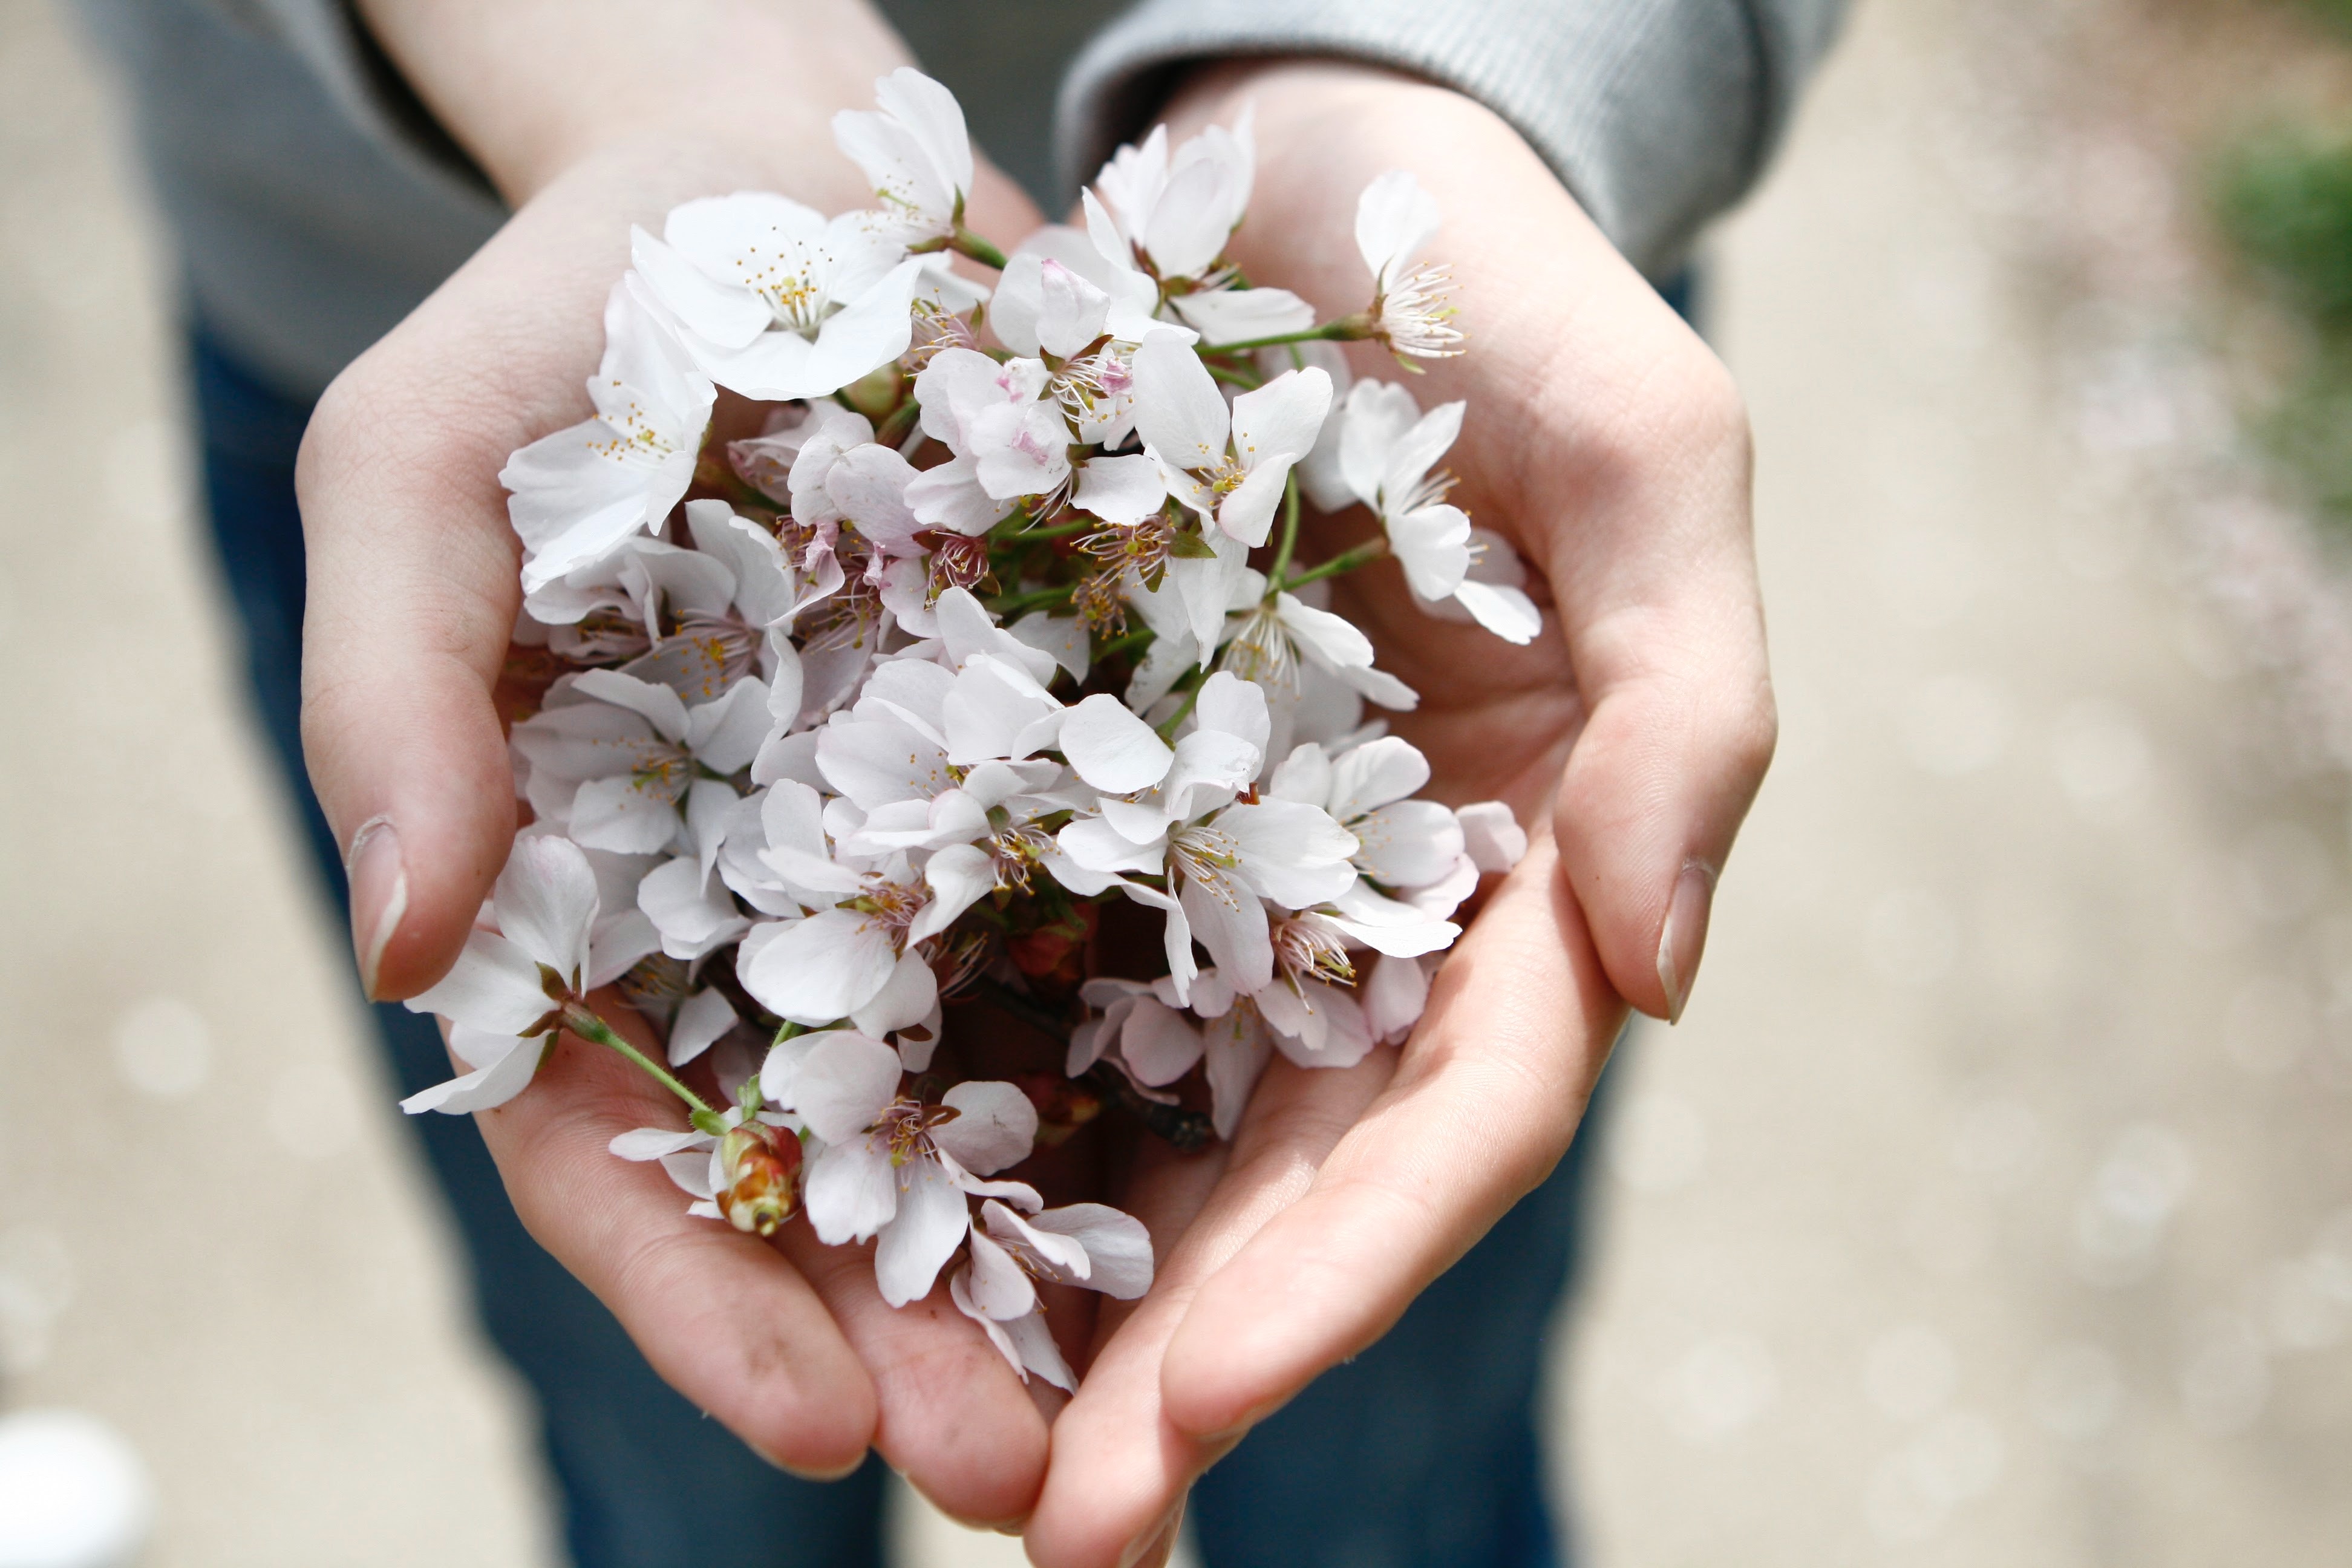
column 952, row 1414
column 412, row 575
column 721, row 1315
column 1121, row 1468
column 1659, row 603
column 1487, row 1096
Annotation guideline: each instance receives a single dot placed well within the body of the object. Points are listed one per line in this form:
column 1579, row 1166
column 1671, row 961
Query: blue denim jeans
column 1423, row 1452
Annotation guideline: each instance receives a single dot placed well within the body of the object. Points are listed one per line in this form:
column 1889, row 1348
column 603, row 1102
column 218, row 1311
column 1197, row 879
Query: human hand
column 588, row 120
column 1606, row 444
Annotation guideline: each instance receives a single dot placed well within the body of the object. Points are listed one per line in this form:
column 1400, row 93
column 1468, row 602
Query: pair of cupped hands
column 1602, row 439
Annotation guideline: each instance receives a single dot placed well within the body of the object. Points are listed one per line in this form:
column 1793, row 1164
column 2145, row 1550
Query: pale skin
column 1603, row 439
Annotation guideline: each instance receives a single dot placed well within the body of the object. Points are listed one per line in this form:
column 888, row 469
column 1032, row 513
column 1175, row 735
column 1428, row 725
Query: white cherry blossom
column 1227, row 464
column 1176, row 211
column 1387, row 448
column 915, row 149
column 776, row 302
column 1410, row 312
column 625, row 764
column 505, row 995
column 577, row 494
column 892, row 1167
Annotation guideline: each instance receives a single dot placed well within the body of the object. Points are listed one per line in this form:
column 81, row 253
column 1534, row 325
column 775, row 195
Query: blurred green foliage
column 2283, row 201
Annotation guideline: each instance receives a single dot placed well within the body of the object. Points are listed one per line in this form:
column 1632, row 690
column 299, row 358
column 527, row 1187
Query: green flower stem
column 1006, row 604
column 963, row 242
column 1363, row 554
column 895, row 429
column 1347, row 329
column 1128, row 644
column 1289, row 528
column 581, row 1021
column 1247, row 380
column 1059, row 531
column 1167, row 727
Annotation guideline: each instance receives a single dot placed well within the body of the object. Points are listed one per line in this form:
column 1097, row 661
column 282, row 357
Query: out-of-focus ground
column 1994, row 1202
column 1991, row 1206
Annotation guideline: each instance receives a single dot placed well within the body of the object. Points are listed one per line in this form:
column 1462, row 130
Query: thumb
column 410, row 601
column 1682, row 726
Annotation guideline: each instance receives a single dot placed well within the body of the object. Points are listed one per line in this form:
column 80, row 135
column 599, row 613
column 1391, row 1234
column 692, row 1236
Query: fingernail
column 802, row 1471
column 1685, row 938
column 1151, row 1548
column 379, row 894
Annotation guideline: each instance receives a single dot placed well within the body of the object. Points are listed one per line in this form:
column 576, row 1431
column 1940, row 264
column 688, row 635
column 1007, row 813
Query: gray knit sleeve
column 1657, row 114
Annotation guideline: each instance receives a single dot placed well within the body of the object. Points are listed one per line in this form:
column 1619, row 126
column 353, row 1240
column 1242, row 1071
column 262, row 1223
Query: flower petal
column 546, row 901
column 822, row 968
column 851, row 1190
column 494, row 986
column 506, row 1075
column 1179, row 412
column 701, row 1019
column 996, row 1126
column 1111, row 749
column 931, row 1222
column 845, row 1084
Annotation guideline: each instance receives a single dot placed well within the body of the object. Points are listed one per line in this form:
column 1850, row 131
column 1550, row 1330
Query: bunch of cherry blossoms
column 961, row 655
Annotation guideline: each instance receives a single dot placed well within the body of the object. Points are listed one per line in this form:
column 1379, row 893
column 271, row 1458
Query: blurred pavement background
column 1991, row 1204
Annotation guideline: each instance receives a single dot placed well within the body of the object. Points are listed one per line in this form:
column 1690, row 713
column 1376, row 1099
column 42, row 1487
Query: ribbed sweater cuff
column 1657, row 114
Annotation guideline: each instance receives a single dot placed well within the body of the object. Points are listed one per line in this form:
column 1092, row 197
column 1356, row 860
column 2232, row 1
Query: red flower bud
column 761, row 1165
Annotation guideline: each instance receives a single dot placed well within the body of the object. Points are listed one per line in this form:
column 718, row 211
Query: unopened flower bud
column 761, row 1165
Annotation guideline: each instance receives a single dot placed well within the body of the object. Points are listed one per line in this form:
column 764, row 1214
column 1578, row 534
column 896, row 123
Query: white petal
column 909, row 999
column 1378, row 413
column 1157, row 1044
column 1394, row 218
column 1491, row 835
column 1111, row 749
column 1179, row 412
column 1374, row 774
column 1118, row 1246
column 1072, row 310
column 1032, row 1342
column 1063, row 638
column 1281, row 419
column 1247, row 512
column 851, row 1190
column 1507, row 612
column 1094, row 844
column 1234, row 931
column 996, row 1126
column 1121, row 489
column 960, row 876
column 1394, row 996
column 494, row 986
column 486, row 1087
column 822, row 968
column 546, row 899
column 1304, row 775
column 1408, row 843
column 869, row 485
column 1433, row 544
column 644, row 1144
column 725, row 735
column 998, row 1286
column 1063, row 1258
column 845, row 1084
column 1334, row 637
column 1235, row 706
column 1237, row 1051
column 701, row 1019
column 931, row 1223
column 659, row 705
column 1291, row 852
column 1242, row 315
